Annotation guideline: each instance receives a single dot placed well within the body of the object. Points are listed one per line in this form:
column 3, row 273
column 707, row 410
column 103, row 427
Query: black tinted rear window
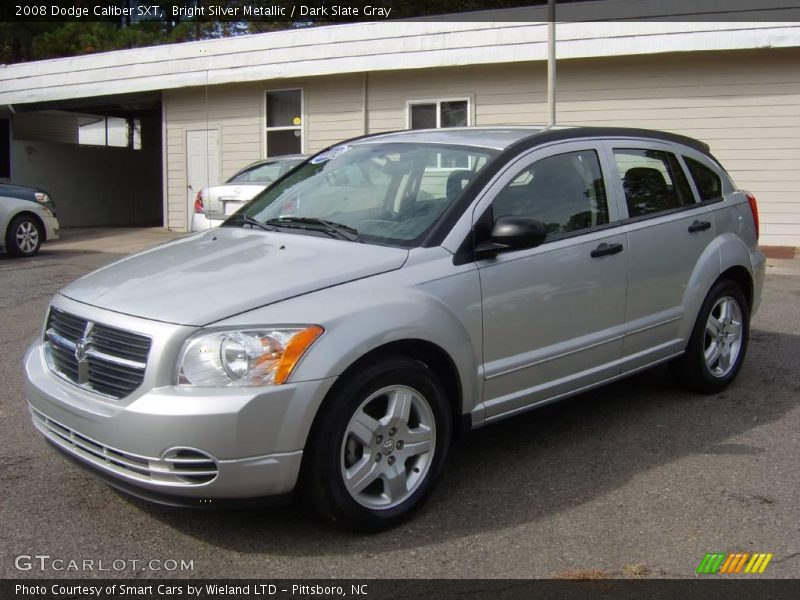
column 708, row 183
column 653, row 181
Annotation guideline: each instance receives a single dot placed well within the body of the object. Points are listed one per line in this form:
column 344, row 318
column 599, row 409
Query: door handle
column 699, row 226
column 606, row 250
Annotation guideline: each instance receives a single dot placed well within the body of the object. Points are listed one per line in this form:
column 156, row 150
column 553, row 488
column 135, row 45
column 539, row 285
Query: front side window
column 382, row 193
column 565, row 192
column 652, row 180
column 284, row 122
column 708, row 183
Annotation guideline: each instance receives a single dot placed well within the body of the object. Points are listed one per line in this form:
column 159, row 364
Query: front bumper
column 51, row 228
column 245, row 443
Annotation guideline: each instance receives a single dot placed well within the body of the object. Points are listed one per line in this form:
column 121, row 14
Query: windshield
column 382, row 193
column 265, row 172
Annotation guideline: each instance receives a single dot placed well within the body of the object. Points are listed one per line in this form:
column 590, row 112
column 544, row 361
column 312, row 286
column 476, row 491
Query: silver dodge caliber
column 339, row 330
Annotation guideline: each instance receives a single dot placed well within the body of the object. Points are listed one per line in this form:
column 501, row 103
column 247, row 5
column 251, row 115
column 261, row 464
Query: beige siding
column 332, row 108
column 745, row 104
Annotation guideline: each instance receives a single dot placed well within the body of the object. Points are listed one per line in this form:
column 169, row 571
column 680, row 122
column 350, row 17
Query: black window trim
column 465, row 252
column 594, row 135
column 668, row 147
column 683, row 158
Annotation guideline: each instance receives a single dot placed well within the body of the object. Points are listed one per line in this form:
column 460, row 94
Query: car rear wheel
column 381, row 441
column 718, row 343
column 23, row 237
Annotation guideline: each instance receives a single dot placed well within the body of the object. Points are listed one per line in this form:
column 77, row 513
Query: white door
column 202, row 163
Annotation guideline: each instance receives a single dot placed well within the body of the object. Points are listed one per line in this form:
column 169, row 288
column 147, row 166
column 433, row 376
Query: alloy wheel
column 27, row 236
column 388, row 447
column 723, row 336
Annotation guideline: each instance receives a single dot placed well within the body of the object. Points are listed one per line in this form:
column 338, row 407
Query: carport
column 99, row 157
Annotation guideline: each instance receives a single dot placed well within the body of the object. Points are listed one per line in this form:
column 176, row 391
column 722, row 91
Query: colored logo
column 737, row 562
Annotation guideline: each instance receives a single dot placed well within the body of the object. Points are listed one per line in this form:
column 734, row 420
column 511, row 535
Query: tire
column 378, row 445
column 718, row 343
column 23, row 236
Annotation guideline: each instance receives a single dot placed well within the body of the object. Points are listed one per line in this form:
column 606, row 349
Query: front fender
column 364, row 315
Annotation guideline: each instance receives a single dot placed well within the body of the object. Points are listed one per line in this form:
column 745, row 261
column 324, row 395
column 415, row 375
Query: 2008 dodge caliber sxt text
column 338, row 330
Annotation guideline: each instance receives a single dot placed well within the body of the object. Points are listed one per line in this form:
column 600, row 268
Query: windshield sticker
column 328, row 155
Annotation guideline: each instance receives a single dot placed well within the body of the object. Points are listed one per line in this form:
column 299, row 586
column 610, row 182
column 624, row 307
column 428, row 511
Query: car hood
column 206, row 277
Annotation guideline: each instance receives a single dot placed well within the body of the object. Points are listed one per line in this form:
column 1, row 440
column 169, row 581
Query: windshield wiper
column 251, row 221
column 337, row 230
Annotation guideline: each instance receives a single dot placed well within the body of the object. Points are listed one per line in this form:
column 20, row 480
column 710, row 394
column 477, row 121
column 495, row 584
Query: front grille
column 105, row 359
column 182, row 466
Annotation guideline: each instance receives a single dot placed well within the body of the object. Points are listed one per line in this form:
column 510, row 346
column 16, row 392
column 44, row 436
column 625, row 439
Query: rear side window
column 653, row 181
column 708, row 183
column 565, row 192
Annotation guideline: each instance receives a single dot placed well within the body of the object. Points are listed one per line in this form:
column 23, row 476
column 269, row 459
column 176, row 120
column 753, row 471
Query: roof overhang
column 368, row 47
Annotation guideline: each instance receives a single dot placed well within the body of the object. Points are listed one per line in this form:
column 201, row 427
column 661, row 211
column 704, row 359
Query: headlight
column 253, row 357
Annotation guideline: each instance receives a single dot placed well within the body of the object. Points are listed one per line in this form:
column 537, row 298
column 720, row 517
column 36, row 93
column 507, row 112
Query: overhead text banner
column 310, row 12
column 398, row 589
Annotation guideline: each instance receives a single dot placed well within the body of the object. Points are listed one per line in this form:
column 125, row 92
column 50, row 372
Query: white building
column 203, row 110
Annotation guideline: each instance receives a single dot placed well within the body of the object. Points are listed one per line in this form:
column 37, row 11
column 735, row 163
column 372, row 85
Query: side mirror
column 512, row 233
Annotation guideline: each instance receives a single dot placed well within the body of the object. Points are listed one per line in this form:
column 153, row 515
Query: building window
column 110, row 131
column 284, row 122
column 433, row 114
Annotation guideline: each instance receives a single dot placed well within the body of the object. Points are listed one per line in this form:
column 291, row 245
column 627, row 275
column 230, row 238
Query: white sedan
column 216, row 203
column 27, row 219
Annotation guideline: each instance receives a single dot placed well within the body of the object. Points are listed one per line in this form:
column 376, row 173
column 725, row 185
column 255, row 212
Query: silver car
column 336, row 333
column 27, row 220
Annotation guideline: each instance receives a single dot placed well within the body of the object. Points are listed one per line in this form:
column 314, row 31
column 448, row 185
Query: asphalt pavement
column 637, row 479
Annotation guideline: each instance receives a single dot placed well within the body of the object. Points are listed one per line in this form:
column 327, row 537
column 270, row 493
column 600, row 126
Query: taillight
column 751, row 200
column 198, row 203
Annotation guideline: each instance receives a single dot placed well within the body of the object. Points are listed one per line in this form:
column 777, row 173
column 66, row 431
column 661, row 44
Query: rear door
column 553, row 315
column 668, row 231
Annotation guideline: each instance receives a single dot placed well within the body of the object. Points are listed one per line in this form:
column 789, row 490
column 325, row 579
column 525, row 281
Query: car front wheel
column 381, row 441
column 718, row 343
column 23, row 238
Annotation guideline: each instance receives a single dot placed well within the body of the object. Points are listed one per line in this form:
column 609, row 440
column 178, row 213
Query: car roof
column 14, row 186
column 274, row 159
column 502, row 137
column 497, row 138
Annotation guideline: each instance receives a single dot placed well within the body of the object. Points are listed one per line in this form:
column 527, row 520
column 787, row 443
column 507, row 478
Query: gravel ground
column 637, row 479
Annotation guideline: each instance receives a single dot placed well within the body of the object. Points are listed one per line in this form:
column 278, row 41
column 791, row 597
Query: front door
column 202, row 163
column 554, row 315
